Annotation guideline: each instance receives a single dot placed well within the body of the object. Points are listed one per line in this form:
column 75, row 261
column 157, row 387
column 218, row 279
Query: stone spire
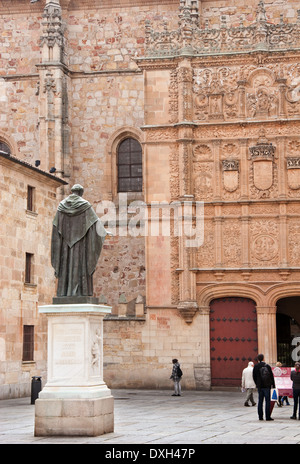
column 52, row 40
column 190, row 7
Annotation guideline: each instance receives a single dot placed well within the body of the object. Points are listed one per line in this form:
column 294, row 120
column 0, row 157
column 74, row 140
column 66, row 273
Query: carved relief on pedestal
column 96, row 351
column 263, row 169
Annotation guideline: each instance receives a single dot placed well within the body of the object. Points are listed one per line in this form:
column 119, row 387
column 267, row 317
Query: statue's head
column 77, row 189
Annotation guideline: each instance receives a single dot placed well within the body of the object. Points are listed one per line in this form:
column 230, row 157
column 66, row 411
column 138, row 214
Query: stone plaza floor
column 156, row 417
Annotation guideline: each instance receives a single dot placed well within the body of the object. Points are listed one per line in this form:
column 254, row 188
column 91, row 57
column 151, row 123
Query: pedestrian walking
column 295, row 377
column 176, row 377
column 282, row 399
column 248, row 384
column 264, row 381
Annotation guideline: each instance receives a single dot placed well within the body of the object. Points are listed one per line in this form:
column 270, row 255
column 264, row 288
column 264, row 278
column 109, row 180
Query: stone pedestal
column 75, row 399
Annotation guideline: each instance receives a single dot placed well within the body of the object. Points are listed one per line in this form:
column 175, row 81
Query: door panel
column 233, row 339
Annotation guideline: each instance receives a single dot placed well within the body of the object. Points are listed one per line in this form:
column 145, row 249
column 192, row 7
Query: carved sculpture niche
column 292, row 93
column 262, row 95
column 215, row 94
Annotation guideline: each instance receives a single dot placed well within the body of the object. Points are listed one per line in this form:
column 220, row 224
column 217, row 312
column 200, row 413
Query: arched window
column 4, row 148
column 130, row 177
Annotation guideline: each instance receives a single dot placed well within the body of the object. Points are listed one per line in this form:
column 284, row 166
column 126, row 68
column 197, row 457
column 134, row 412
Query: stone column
column 187, row 279
column 75, row 399
column 202, row 371
column 266, row 328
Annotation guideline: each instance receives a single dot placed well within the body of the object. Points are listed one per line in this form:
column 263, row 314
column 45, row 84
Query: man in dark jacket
column 264, row 381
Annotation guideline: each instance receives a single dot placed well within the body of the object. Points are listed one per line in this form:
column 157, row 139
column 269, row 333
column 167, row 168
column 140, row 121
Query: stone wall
column 22, row 232
column 138, row 354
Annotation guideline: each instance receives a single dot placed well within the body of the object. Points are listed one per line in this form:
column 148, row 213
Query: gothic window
column 129, row 156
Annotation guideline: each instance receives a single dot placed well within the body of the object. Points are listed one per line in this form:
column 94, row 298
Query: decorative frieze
column 191, row 39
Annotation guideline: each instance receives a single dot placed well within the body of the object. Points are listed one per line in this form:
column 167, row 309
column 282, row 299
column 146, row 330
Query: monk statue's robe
column 77, row 239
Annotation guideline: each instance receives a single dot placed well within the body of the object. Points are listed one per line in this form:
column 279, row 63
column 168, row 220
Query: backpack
column 265, row 376
column 179, row 372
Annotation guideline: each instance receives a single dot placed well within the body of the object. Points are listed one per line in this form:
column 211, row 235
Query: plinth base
column 75, row 300
column 75, row 400
column 74, row 417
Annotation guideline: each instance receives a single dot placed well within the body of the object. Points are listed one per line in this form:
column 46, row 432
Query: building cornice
column 24, row 167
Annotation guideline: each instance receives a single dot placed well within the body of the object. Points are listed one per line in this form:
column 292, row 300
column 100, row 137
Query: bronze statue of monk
column 77, row 239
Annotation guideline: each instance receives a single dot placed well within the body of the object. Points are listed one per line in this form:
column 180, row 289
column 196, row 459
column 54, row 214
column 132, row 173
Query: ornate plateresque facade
column 232, row 128
column 211, row 92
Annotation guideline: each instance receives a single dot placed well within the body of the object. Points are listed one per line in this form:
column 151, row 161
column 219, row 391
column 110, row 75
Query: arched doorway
column 287, row 329
column 233, row 339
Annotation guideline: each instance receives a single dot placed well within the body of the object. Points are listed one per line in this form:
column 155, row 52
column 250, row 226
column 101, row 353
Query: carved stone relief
column 215, row 94
column 173, row 97
column 96, row 354
column 262, row 171
column 293, row 167
column 246, row 91
column 262, row 95
column 294, row 241
column 293, row 172
column 264, row 242
column 231, row 232
column 202, row 174
column 230, row 171
column 206, row 253
column 190, row 37
column 293, row 89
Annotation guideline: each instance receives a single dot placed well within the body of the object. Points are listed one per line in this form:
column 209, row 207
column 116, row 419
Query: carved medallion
column 265, row 247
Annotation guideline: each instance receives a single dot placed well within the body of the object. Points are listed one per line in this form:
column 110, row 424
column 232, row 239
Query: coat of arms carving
column 293, row 172
column 230, row 174
column 262, row 156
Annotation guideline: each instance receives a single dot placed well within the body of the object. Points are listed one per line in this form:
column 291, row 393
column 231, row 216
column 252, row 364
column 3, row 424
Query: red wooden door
column 233, row 339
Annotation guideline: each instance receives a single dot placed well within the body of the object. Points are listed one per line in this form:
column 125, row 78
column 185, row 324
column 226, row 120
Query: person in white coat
column 248, row 384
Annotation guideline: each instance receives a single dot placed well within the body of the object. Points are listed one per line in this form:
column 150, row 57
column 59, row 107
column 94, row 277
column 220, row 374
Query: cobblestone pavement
column 156, row 417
